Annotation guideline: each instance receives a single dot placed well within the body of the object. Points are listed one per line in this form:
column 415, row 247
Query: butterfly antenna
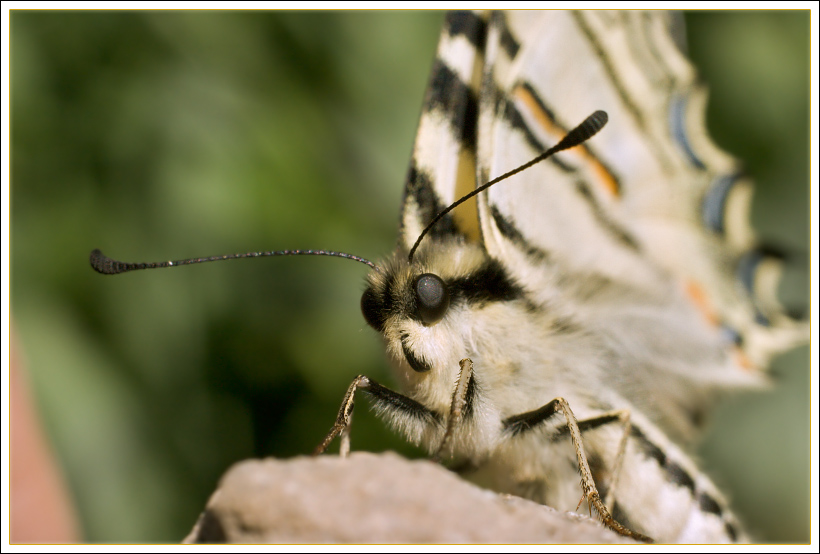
column 583, row 132
column 108, row 266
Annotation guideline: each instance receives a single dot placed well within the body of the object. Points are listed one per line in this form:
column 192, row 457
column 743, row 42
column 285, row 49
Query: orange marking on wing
column 541, row 116
column 602, row 175
column 742, row 360
column 701, row 301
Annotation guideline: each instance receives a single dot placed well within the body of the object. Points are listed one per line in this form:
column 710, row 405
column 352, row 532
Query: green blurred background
column 162, row 135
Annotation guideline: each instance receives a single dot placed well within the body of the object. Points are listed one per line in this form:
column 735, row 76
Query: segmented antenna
column 108, row 266
column 583, row 132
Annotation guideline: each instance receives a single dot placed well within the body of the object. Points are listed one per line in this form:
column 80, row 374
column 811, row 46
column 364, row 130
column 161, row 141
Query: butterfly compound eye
column 432, row 298
column 372, row 309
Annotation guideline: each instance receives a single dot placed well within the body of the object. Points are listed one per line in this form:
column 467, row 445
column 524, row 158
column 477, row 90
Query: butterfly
column 510, row 232
column 622, row 279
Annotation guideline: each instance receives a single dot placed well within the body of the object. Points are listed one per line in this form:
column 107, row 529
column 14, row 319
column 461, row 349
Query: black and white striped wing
column 641, row 234
column 443, row 166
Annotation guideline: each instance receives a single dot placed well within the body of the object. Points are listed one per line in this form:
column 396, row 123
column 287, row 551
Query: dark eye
column 432, row 298
column 372, row 309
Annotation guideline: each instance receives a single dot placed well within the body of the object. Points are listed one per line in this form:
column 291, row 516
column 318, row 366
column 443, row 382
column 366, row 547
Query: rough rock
column 375, row 498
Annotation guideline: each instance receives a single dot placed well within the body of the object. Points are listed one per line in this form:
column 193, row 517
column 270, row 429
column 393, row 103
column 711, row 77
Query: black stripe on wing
column 449, row 95
column 449, row 116
column 508, row 42
column 467, row 24
column 419, row 186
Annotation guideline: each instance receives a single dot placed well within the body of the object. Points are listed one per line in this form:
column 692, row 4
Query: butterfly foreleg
column 521, row 423
column 458, row 405
column 400, row 408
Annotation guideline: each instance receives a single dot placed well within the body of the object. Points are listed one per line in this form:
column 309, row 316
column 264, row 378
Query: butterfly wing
column 641, row 234
column 603, row 277
column 442, row 168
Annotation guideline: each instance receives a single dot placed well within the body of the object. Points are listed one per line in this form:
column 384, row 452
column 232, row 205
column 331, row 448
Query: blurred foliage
column 162, row 135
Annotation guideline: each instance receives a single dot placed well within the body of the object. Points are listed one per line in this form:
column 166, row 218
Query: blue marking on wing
column 677, row 124
column 714, row 202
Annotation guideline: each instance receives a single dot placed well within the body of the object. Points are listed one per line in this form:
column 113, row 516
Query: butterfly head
column 428, row 310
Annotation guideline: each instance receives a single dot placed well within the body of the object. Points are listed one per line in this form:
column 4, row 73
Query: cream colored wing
column 642, row 233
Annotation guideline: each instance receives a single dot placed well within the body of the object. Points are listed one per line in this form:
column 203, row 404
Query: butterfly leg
column 458, row 406
column 397, row 405
column 621, row 417
column 517, row 424
column 624, row 419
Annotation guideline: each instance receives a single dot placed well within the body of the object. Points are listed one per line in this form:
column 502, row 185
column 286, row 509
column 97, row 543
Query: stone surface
column 375, row 498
